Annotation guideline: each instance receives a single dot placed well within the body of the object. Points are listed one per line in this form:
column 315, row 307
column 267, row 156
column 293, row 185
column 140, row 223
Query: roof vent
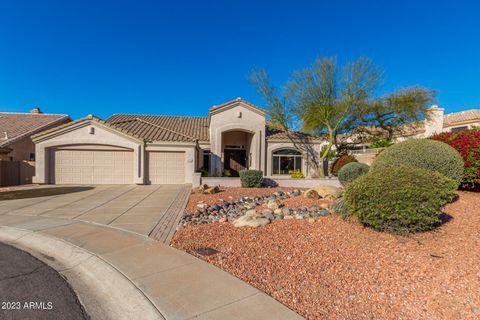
column 5, row 135
column 36, row 110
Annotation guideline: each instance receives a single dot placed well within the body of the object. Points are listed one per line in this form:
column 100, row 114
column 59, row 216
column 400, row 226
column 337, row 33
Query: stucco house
column 151, row 149
column 17, row 128
column 440, row 122
column 17, row 150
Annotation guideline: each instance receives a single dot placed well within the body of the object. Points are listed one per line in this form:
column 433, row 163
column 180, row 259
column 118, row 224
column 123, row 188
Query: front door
column 235, row 160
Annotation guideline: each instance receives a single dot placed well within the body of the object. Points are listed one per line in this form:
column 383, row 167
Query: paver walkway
column 152, row 210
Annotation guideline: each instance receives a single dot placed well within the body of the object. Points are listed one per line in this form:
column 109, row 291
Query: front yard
column 326, row 267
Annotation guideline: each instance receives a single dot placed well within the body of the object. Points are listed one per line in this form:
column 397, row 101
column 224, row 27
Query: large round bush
column 352, row 171
column 340, row 162
column 467, row 143
column 422, row 153
column 400, row 199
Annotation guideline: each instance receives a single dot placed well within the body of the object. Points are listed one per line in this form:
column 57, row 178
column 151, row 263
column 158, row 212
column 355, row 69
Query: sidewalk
column 174, row 284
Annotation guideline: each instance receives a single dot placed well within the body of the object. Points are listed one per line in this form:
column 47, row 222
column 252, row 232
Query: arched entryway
column 236, row 149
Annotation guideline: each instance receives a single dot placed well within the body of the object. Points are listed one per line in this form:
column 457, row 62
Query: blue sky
column 182, row 57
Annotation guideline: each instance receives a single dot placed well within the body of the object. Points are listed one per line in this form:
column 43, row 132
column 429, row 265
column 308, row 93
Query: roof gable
column 234, row 103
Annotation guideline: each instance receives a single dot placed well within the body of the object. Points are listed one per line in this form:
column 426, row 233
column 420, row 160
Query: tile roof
column 162, row 128
column 273, row 132
column 463, row 116
column 15, row 126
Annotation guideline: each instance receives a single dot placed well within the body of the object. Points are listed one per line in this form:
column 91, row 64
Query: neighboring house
column 16, row 130
column 150, row 149
column 17, row 150
column 439, row 122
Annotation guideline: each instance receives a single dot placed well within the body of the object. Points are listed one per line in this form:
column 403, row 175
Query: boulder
column 200, row 188
column 251, row 219
column 311, row 194
column 328, row 192
column 325, row 204
column 278, row 211
column 211, row 190
column 274, row 204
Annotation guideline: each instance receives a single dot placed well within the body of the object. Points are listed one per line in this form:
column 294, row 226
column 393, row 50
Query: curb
column 103, row 290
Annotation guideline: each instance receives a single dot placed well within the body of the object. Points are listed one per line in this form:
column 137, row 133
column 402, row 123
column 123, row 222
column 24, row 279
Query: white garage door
column 93, row 167
column 166, row 167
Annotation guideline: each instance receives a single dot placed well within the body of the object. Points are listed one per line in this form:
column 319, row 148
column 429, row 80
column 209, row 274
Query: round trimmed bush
column 402, row 199
column 251, row 178
column 351, row 171
column 422, row 153
column 341, row 161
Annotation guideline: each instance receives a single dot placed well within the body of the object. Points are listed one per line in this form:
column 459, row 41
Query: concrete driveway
column 152, row 210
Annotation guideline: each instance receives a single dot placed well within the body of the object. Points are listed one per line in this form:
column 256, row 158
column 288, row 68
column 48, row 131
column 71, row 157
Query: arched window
column 286, row 160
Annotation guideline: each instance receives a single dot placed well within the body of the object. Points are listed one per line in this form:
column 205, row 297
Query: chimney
column 434, row 121
column 36, row 110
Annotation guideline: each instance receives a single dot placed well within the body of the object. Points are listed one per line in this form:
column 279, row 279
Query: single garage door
column 92, row 166
column 166, row 167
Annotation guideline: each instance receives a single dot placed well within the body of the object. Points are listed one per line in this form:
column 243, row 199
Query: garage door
column 166, row 167
column 93, row 167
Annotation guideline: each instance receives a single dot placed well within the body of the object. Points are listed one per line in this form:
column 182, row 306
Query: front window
column 286, row 160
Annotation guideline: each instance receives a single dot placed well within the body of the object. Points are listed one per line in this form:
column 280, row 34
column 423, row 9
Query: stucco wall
column 237, row 118
column 276, row 145
column 81, row 134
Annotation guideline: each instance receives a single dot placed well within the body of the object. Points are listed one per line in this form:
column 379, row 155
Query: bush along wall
column 341, row 161
column 467, row 143
column 251, row 178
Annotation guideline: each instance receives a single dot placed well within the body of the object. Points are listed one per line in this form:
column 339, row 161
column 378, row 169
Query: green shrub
column 296, row 174
column 251, row 178
column 351, row 171
column 422, row 153
column 382, row 143
column 340, row 162
column 400, row 199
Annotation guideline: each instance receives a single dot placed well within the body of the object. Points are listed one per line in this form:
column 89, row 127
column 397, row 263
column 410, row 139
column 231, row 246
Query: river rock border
column 232, row 210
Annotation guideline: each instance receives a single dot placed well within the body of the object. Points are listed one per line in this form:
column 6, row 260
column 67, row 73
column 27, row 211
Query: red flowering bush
column 467, row 143
column 340, row 162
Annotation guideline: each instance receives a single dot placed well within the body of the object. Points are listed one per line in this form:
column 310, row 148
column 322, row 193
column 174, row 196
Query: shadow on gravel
column 40, row 192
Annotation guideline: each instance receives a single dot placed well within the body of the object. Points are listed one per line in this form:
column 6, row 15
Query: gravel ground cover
column 229, row 194
column 327, row 268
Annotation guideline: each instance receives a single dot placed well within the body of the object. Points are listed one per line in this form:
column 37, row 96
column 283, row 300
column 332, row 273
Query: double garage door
column 70, row 166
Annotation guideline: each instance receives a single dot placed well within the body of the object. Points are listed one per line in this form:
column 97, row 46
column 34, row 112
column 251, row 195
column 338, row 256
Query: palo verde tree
column 320, row 99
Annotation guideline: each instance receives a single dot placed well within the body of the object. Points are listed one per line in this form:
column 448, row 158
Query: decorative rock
column 251, row 219
column 288, row 217
column 267, row 213
column 202, row 205
column 328, row 192
column 298, row 216
column 222, row 220
column 278, row 216
column 311, row 194
column 325, row 204
column 277, row 211
column 200, row 188
column 285, row 211
column 273, row 204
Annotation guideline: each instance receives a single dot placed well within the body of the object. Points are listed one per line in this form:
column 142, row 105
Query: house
column 17, row 150
column 151, row 149
column 439, row 122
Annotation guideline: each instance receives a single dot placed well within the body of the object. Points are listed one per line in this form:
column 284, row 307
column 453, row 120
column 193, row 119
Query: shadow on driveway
column 40, row 192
